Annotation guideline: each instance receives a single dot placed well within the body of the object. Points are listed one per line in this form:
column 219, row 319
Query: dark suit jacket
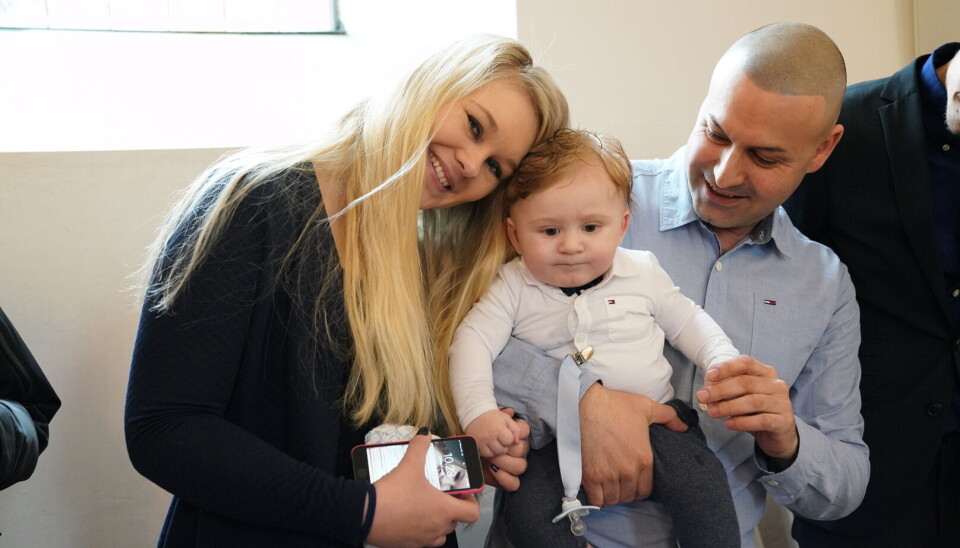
column 22, row 383
column 871, row 204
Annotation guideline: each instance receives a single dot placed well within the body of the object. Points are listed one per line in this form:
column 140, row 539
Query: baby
column 572, row 286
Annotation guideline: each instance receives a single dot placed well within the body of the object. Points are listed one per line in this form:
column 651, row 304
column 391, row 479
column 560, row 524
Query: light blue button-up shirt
column 781, row 298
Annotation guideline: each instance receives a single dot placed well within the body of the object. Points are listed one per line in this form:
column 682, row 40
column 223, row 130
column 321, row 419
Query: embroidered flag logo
column 611, row 301
column 771, row 303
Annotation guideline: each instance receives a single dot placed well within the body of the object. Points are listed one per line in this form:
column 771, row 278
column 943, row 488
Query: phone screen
column 447, row 465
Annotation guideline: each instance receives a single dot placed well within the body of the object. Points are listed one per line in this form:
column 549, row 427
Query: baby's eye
column 591, row 228
column 551, row 231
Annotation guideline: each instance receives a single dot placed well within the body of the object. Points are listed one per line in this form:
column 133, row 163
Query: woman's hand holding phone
column 412, row 512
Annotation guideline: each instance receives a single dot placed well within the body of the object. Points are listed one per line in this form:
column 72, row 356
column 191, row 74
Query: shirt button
column 956, row 293
column 718, row 266
column 946, row 148
column 956, row 344
column 934, row 409
column 772, row 483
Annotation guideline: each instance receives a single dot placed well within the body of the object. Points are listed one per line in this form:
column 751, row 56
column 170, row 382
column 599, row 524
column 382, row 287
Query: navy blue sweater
column 233, row 407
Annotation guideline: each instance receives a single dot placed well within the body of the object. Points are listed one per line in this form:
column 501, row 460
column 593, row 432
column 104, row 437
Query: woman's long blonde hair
column 408, row 279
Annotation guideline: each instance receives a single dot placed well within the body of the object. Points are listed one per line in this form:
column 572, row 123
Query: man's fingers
column 741, row 365
column 667, row 416
column 735, row 387
column 644, row 483
column 594, row 494
column 628, row 490
column 751, row 404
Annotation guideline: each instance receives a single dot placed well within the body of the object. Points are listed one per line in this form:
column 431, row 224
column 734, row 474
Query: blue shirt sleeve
column 829, row 477
column 526, row 380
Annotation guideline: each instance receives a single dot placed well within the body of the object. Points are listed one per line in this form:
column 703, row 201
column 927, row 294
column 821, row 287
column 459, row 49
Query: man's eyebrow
column 766, row 149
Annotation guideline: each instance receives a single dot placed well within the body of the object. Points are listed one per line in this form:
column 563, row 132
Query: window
column 231, row 16
column 65, row 90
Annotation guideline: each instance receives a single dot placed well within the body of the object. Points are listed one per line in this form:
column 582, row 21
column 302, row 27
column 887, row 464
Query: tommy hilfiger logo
column 770, row 302
column 611, row 301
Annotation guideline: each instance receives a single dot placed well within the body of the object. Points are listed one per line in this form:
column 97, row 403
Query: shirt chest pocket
column 628, row 318
column 785, row 334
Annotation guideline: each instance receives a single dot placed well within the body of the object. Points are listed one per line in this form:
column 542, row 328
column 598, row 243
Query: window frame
column 179, row 25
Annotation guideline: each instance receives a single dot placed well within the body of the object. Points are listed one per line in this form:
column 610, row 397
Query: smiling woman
column 297, row 297
column 478, row 142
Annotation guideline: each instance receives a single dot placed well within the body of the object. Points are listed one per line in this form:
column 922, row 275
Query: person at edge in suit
column 888, row 203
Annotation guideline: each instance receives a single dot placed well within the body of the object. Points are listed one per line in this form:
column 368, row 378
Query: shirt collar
column 933, row 94
column 623, row 267
column 676, row 206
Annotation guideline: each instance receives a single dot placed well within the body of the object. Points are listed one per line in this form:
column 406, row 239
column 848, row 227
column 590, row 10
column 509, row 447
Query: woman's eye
column 494, row 167
column 551, row 231
column 475, row 128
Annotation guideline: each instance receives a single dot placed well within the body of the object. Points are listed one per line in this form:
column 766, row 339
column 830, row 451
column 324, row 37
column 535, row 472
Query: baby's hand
column 495, row 433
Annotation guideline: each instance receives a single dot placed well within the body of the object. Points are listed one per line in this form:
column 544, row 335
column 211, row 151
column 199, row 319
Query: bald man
column 784, row 420
column 888, row 203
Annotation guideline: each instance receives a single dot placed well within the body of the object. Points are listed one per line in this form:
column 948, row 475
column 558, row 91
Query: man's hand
column 504, row 470
column 615, row 443
column 754, row 399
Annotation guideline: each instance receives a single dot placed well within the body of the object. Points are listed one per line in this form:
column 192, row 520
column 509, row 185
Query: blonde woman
column 298, row 297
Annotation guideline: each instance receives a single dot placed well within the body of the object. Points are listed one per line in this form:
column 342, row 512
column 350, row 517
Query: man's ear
column 512, row 235
column 825, row 148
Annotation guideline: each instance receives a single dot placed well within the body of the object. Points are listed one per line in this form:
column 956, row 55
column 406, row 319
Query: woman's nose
column 471, row 161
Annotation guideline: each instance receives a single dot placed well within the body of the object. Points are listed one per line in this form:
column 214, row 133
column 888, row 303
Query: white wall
column 74, row 224
column 639, row 69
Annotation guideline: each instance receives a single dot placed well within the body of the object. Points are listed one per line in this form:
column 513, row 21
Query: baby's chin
column 572, row 281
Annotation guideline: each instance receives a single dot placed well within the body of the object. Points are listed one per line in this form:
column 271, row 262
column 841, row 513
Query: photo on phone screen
column 452, row 464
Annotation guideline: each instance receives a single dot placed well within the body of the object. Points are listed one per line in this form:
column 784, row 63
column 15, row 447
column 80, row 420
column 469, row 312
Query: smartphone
column 452, row 464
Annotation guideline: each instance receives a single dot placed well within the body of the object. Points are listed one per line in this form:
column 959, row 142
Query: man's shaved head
column 790, row 59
